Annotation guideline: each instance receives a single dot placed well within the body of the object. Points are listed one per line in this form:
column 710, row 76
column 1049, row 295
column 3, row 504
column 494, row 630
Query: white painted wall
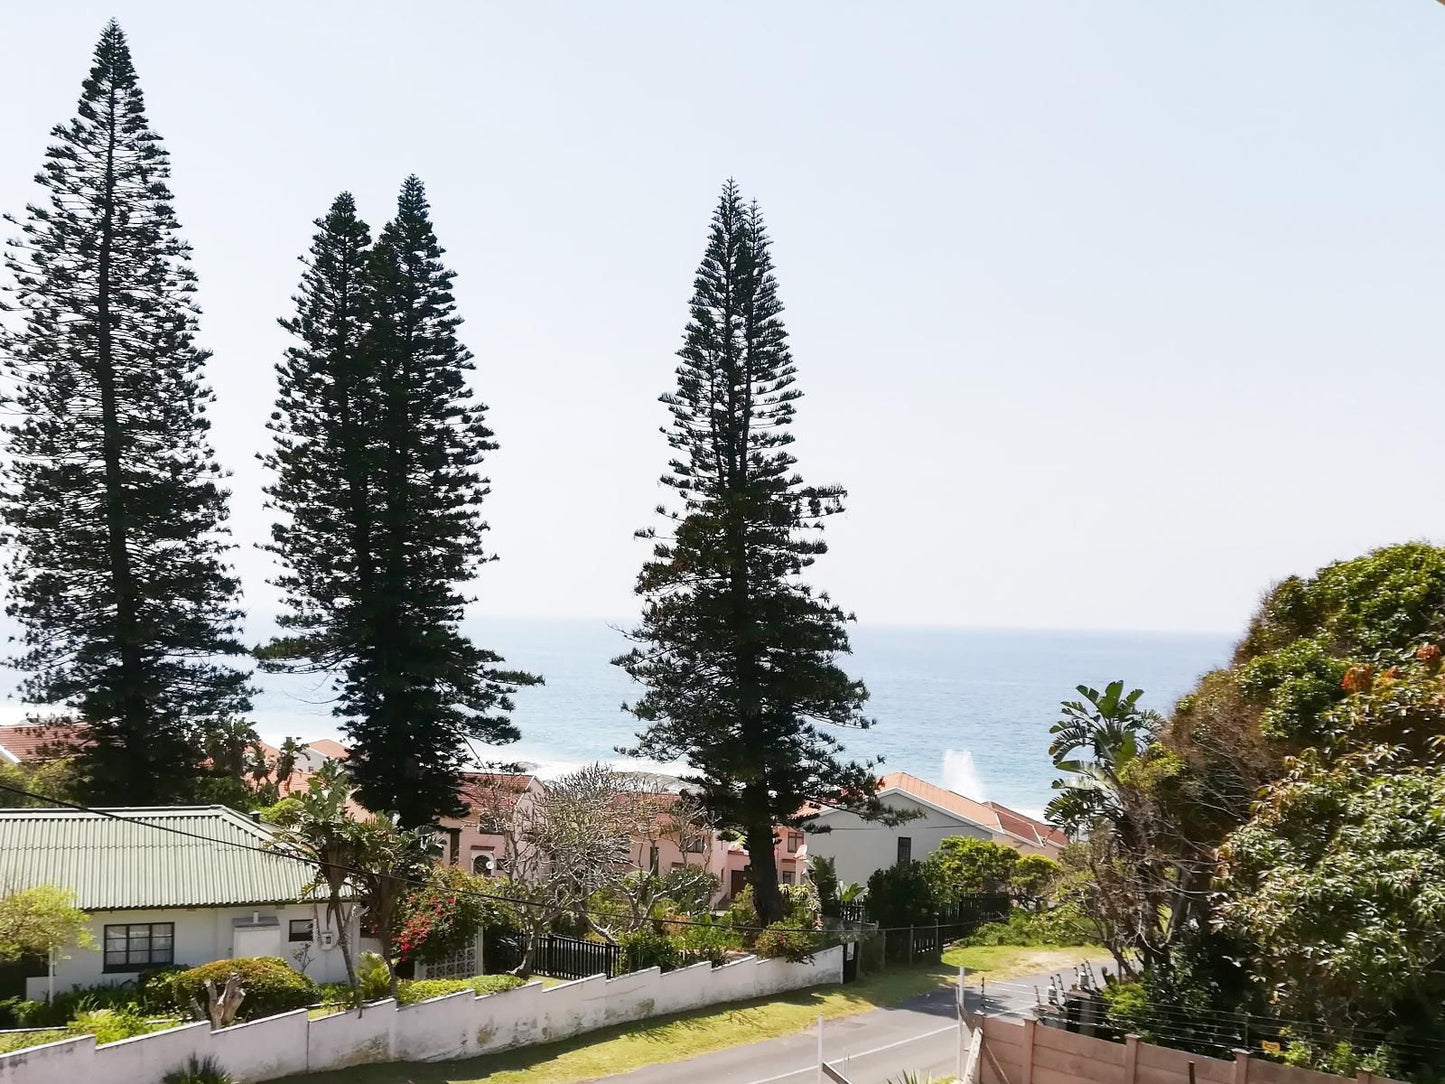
column 202, row 934
column 860, row 847
column 457, row 1026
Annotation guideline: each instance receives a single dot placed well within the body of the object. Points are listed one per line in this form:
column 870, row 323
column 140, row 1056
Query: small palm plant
column 205, row 1070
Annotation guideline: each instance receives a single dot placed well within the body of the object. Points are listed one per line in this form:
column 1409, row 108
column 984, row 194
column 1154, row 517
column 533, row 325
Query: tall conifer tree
column 112, row 501
column 379, row 448
column 737, row 652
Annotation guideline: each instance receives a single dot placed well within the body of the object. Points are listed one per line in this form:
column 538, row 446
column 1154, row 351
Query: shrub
column 372, row 978
column 271, row 986
column 900, row 896
column 65, row 1005
column 446, row 915
column 648, row 947
column 198, row 1071
column 706, row 939
column 17, row 1012
column 109, row 1025
column 802, row 904
column 690, row 888
column 1062, row 925
column 823, row 874
column 412, row 991
column 784, row 941
column 742, row 911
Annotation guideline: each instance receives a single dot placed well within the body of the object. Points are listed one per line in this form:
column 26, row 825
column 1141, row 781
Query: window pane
column 161, row 955
column 112, row 958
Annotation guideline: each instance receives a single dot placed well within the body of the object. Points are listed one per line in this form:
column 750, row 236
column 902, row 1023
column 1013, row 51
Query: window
column 787, row 876
column 137, row 945
column 794, row 842
column 301, row 929
column 905, row 850
column 695, row 844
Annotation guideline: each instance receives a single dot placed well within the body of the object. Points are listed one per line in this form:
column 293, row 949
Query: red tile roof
column 42, row 741
column 332, row 750
column 991, row 815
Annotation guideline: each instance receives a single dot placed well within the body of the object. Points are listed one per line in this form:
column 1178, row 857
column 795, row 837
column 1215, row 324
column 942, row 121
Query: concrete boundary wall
column 455, row 1026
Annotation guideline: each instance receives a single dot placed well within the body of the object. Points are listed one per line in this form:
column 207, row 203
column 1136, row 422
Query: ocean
column 967, row 708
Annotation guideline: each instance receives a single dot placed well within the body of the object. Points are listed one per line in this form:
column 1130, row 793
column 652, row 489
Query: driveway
column 870, row 1048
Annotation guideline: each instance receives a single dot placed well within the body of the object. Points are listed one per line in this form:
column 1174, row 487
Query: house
column 168, row 885
column 860, row 847
column 475, row 840
column 29, row 743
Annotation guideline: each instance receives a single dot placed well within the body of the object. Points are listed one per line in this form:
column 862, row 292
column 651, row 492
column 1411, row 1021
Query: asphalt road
column 870, row 1048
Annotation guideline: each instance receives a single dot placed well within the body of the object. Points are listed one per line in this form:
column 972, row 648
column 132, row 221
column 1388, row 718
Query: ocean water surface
column 966, row 708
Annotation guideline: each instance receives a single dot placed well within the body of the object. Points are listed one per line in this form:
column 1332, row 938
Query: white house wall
column 860, row 847
column 457, row 1026
column 202, row 935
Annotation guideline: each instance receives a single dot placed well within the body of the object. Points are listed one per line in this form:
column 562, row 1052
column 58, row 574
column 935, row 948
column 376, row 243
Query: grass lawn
column 672, row 1038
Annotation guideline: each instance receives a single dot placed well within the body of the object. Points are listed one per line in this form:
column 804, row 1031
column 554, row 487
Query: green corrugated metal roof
column 131, row 862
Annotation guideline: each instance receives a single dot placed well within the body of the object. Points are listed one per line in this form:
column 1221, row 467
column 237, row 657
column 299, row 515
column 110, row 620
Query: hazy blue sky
column 1107, row 313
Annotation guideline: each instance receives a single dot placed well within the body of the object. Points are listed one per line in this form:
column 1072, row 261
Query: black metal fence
column 555, row 956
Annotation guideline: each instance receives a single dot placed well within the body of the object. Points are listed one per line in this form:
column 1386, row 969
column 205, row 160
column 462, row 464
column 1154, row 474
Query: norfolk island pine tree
column 737, row 653
column 112, row 502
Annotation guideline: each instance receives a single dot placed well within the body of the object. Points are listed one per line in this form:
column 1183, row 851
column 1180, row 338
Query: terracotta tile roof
column 966, row 808
column 40, row 741
column 1021, row 825
column 991, row 815
column 331, row 750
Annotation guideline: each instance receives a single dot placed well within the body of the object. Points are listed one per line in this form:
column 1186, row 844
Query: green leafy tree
column 963, row 866
column 901, row 895
column 1033, row 876
column 42, row 920
column 377, row 460
column 318, row 826
column 737, row 652
column 112, row 501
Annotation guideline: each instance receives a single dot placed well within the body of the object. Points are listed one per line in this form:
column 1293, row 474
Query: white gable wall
column 202, row 935
column 860, row 847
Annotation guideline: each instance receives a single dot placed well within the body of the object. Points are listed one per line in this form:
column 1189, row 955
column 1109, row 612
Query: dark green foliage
column 789, row 940
column 901, row 895
column 823, row 874
column 649, row 947
column 377, row 474
column 112, row 503
column 198, row 1071
column 964, row 866
column 271, row 986
column 1063, row 925
column 738, row 654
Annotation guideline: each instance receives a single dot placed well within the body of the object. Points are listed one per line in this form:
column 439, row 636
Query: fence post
column 820, row 1048
column 958, row 999
column 1031, row 1027
column 938, row 941
column 910, row 944
column 1241, row 1067
column 1131, row 1059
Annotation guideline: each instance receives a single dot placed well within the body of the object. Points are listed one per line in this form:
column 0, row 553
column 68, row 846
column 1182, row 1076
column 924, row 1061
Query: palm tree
column 286, row 760
column 1113, row 732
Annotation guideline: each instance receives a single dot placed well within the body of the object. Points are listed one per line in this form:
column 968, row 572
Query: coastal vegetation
column 1273, row 847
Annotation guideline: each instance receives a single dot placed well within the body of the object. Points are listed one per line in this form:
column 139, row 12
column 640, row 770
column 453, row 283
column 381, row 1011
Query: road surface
column 870, row 1048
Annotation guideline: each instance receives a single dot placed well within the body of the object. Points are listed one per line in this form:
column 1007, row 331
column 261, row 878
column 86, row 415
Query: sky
column 1107, row 314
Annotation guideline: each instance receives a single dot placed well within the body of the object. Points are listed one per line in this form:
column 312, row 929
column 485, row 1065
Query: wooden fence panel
column 1077, row 1066
column 1069, row 1042
column 1055, row 1056
column 1177, row 1061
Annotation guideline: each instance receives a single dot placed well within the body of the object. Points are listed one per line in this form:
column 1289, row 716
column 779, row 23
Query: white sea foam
column 961, row 775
